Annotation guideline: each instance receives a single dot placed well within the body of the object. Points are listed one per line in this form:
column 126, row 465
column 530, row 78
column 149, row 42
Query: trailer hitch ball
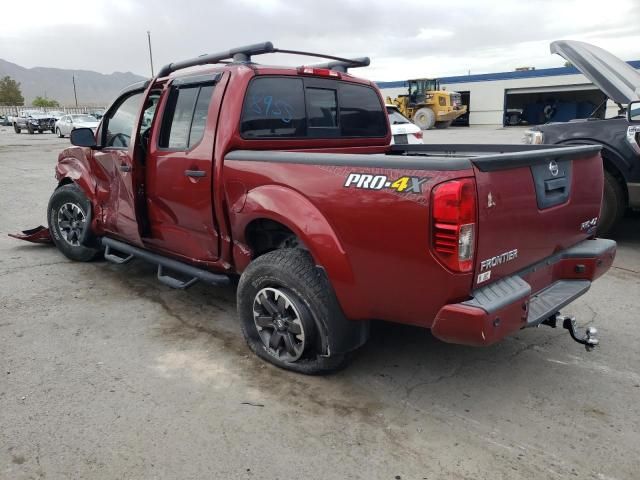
column 589, row 339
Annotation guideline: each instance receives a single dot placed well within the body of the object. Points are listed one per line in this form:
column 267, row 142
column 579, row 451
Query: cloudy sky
column 404, row 38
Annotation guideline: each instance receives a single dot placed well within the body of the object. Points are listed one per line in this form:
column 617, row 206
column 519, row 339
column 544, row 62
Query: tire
column 441, row 125
column 53, row 130
column 59, row 133
column 287, row 294
column 40, row 130
column 425, row 118
column 613, row 204
column 16, row 128
column 69, row 207
column 30, row 129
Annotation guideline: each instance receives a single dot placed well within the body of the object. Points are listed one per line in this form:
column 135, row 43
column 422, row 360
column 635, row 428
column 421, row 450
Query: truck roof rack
column 244, row 54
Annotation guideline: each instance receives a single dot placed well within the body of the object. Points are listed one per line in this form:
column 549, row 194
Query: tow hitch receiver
column 589, row 340
column 34, row 235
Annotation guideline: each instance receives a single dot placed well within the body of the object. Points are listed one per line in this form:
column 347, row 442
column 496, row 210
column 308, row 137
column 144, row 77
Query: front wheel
column 282, row 302
column 59, row 133
column 425, row 118
column 69, row 217
column 16, row 128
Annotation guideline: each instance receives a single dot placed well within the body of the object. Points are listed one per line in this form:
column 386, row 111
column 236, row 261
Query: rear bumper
column 510, row 304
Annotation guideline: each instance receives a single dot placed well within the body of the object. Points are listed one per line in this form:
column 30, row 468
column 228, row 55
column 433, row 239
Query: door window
column 120, row 123
column 185, row 117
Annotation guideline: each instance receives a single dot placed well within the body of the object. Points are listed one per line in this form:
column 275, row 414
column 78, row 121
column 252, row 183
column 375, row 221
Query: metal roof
column 490, row 77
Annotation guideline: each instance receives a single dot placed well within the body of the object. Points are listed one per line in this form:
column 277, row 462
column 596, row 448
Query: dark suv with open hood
column 620, row 138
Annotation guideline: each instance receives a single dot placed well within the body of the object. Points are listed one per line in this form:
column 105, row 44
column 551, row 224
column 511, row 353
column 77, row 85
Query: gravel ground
column 108, row 374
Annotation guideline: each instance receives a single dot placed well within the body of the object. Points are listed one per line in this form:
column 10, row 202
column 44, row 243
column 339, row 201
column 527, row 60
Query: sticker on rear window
column 367, row 181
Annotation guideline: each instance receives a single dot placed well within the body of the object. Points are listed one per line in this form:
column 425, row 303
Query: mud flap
column 34, row 235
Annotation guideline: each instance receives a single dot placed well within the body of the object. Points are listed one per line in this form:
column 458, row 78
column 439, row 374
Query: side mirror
column 83, row 137
column 633, row 112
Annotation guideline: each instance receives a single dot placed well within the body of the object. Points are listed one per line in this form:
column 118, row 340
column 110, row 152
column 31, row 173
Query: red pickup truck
column 285, row 177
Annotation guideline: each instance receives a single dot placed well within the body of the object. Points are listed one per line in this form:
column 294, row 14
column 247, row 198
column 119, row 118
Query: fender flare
column 296, row 212
column 610, row 155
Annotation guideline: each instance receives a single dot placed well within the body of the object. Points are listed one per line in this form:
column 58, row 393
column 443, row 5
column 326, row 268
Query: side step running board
column 193, row 273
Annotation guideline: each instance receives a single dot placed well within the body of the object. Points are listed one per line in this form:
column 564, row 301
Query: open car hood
column 616, row 78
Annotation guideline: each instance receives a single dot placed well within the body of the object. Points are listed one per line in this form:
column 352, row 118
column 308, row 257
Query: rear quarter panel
column 374, row 244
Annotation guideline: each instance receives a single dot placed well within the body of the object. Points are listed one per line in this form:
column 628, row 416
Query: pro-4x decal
column 367, row 181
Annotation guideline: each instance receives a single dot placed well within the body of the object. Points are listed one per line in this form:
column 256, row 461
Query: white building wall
column 487, row 97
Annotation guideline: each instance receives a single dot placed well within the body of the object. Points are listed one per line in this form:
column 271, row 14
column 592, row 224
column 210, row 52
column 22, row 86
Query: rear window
column 274, row 107
column 285, row 107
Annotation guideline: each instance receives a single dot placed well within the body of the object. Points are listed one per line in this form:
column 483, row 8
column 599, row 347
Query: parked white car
column 68, row 123
column 403, row 132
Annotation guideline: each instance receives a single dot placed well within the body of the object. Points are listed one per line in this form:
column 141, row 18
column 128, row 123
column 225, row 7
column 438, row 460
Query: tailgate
column 532, row 204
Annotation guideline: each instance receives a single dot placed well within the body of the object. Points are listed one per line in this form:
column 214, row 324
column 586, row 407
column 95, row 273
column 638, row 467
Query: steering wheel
column 121, row 138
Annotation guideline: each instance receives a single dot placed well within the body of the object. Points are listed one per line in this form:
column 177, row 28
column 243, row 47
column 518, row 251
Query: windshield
column 395, row 117
column 84, row 118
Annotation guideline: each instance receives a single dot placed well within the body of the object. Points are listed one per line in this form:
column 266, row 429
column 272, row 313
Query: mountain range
column 92, row 88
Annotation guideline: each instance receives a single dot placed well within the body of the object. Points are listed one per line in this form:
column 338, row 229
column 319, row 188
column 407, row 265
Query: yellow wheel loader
column 427, row 106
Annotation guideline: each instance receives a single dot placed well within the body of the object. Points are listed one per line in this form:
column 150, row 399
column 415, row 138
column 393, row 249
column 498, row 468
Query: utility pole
column 75, row 95
column 150, row 55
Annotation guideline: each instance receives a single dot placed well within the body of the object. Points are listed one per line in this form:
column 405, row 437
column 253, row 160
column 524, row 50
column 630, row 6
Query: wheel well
column 610, row 167
column 64, row 181
column 264, row 235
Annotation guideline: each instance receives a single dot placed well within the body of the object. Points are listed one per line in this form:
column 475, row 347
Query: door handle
column 195, row 173
column 125, row 168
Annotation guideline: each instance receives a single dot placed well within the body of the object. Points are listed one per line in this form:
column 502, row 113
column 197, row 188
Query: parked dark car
column 5, row 121
column 620, row 138
column 34, row 122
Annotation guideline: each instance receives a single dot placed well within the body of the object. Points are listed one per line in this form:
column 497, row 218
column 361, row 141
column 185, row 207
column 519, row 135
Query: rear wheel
column 30, row 129
column 613, row 204
column 68, row 215
column 16, row 128
column 425, row 118
column 282, row 302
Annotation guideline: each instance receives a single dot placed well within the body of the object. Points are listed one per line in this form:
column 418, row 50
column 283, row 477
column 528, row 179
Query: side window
column 274, row 107
column 185, row 117
column 361, row 114
column 118, row 126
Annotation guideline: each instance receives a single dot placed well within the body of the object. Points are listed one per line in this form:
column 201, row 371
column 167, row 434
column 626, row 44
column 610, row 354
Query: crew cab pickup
column 285, row 178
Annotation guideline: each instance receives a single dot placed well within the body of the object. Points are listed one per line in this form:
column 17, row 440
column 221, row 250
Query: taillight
column 319, row 72
column 454, row 217
column 418, row 135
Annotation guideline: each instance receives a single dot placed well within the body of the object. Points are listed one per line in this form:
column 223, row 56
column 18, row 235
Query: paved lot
column 108, row 374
